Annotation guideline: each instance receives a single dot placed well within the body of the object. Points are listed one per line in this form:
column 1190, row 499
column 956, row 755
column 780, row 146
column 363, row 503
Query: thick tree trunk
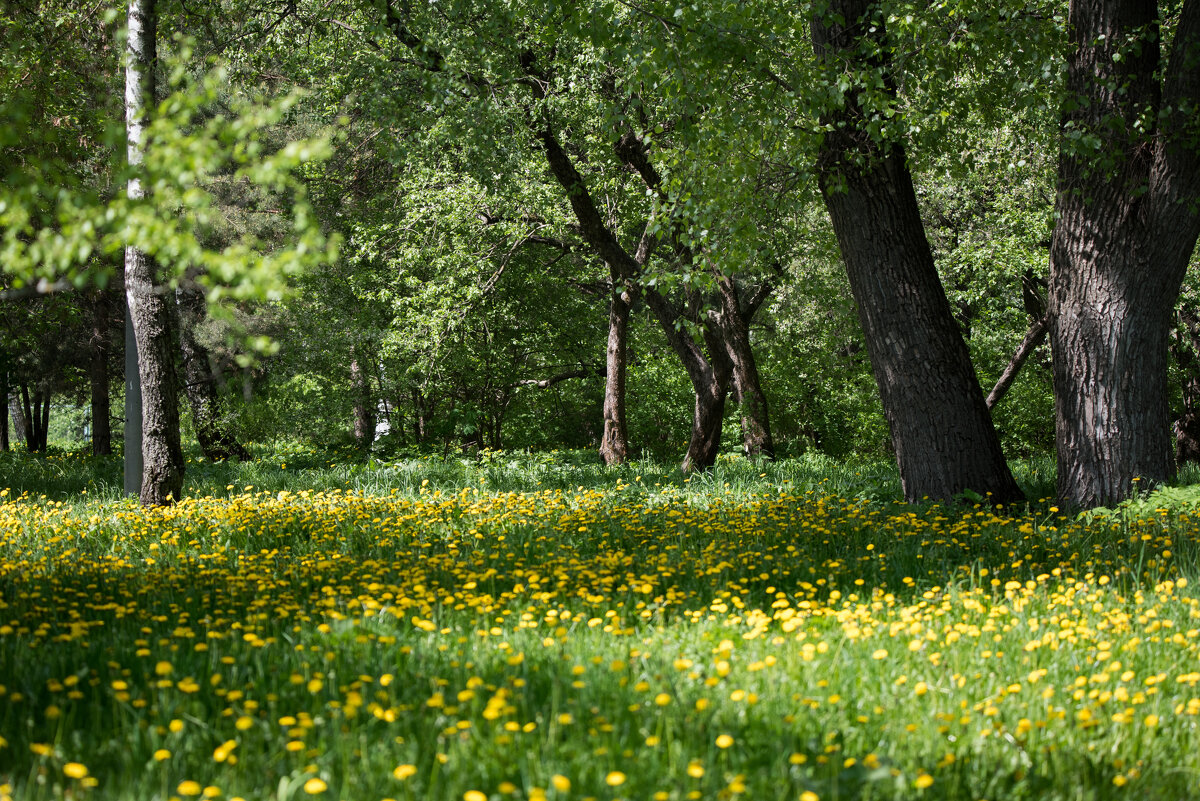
column 1127, row 226
column 941, row 431
column 100, row 346
column 149, row 308
column 209, row 415
column 364, row 407
column 614, row 446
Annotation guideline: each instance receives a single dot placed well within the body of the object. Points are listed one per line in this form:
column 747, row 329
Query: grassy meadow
column 532, row 626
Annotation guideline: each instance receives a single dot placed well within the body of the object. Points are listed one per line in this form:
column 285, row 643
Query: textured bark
column 210, row 416
column 614, row 445
column 364, row 407
column 1035, row 336
column 941, row 431
column 1127, row 224
column 149, row 307
column 100, row 348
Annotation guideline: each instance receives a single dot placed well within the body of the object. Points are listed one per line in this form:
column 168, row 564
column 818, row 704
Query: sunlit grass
column 534, row 626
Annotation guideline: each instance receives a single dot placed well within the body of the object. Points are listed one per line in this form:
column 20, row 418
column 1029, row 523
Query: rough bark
column 1127, row 224
column 364, row 407
column 149, row 309
column 210, row 416
column 941, row 431
column 100, row 348
column 35, row 416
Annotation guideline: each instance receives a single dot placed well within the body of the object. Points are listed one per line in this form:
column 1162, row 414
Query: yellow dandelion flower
column 923, row 781
column 615, row 779
column 189, row 787
column 75, row 770
column 724, row 741
column 403, row 772
column 314, row 786
column 809, row 795
column 474, row 795
column 560, row 782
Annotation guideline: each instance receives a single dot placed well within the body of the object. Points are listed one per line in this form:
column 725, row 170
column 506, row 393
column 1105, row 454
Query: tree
column 1128, row 221
column 941, row 432
column 146, row 296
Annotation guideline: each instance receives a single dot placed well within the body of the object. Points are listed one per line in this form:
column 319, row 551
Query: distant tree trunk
column 209, row 413
column 419, row 412
column 364, row 407
column 100, row 347
column 710, row 377
column 35, row 417
column 941, row 431
column 149, row 309
column 20, row 424
column 1185, row 347
column 734, row 321
column 614, row 446
column 1127, row 225
column 4, row 391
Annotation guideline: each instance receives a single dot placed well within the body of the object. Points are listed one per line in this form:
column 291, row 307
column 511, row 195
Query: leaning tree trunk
column 100, row 346
column 941, row 431
column 614, row 446
column 149, row 309
column 209, row 415
column 1127, row 224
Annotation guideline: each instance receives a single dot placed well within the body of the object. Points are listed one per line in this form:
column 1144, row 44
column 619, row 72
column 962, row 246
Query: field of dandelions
column 534, row 627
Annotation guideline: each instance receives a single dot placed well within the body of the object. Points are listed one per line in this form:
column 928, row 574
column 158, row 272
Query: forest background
column 417, row 227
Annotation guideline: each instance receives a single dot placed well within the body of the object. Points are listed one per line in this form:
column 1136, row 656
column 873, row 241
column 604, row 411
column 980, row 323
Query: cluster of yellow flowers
column 791, row 639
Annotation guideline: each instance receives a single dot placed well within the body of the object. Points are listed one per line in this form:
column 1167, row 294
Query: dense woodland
column 952, row 231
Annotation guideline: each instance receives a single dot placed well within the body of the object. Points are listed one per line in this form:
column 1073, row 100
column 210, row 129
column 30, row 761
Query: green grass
column 535, row 625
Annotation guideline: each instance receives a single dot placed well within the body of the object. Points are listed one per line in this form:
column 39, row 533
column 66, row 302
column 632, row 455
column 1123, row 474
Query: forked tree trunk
column 149, row 307
column 209, row 413
column 1127, row 224
column 100, row 347
column 614, row 446
column 20, row 429
column 941, row 431
column 752, row 401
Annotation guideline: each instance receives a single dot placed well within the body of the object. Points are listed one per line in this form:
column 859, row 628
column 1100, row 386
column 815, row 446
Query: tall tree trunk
column 1127, row 224
column 149, row 309
column 941, row 431
column 43, row 427
column 209, row 415
column 364, row 407
column 100, row 346
column 614, row 446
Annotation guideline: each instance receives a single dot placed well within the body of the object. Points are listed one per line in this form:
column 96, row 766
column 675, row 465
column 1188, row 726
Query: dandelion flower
column 75, row 770
column 615, row 779
column 403, row 772
column 314, row 786
column 724, row 741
